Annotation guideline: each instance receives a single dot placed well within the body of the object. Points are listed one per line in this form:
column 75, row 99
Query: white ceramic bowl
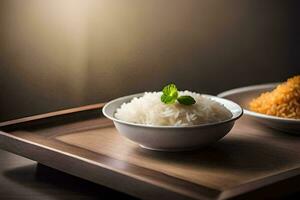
column 172, row 138
column 244, row 95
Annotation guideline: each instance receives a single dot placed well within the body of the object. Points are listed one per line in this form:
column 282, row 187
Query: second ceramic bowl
column 244, row 95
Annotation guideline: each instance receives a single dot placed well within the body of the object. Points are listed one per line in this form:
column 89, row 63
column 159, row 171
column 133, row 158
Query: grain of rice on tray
column 283, row 101
column 149, row 110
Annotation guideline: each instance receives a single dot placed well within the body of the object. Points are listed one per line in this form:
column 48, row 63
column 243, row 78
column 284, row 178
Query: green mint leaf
column 167, row 99
column 186, row 100
column 170, row 90
column 170, row 94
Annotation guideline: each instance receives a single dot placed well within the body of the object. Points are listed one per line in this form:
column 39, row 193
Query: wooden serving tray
column 83, row 143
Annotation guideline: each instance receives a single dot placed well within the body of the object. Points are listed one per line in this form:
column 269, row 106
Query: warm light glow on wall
column 62, row 53
column 47, row 41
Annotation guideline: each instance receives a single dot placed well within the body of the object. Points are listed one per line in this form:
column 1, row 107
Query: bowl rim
column 233, row 118
column 252, row 113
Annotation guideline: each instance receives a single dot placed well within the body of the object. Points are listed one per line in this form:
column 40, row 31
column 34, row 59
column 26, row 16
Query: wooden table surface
column 21, row 178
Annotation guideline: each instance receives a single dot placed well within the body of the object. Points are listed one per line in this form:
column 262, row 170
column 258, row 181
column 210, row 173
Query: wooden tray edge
column 152, row 190
column 51, row 114
column 233, row 192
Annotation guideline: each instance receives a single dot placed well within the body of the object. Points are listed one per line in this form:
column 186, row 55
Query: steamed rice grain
column 149, row 110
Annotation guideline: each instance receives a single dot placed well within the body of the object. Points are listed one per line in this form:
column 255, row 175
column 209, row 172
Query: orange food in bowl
column 283, row 101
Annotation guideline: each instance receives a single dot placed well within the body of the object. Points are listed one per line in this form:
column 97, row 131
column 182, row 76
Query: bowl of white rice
column 154, row 125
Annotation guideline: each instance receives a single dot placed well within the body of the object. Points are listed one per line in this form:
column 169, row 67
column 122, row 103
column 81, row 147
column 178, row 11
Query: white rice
column 149, row 110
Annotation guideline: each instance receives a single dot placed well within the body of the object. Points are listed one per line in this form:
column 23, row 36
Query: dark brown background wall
column 58, row 54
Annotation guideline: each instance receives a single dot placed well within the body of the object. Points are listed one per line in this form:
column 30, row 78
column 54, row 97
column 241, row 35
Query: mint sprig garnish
column 170, row 95
column 186, row 100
